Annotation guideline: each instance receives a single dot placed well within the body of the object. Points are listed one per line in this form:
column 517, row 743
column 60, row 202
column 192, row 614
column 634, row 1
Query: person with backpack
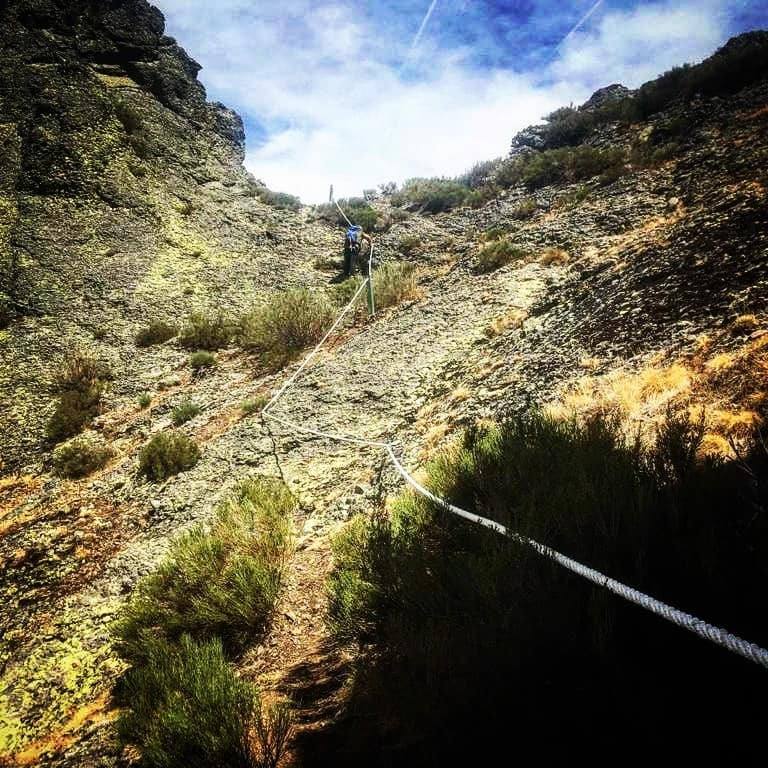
column 353, row 243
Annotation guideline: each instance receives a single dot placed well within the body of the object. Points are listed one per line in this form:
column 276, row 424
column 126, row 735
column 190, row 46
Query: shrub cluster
column 431, row 195
column 393, row 283
column 280, row 200
column 526, row 208
column 221, row 581
column 472, row 631
column 497, row 254
column 81, row 456
column 215, row 592
column 206, row 331
column 167, row 454
column 202, row 361
column 558, row 166
column 157, row 332
column 79, row 384
column 187, row 409
column 357, row 209
column 282, row 326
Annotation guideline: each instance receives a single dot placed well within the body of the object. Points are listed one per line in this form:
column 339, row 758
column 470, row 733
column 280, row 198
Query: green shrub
column 497, row 254
column 222, row 581
column 495, row 233
column 357, row 210
column 156, row 332
column 132, row 121
column 567, row 127
column 574, row 197
column 186, row 707
column 432, row 195
column 144, row 400
column 280, row 200
column 202, row 361
column 254, row 405
column 409, row 245
column 394, row 283
column 480, row 174
column 81, row 456
column 167, row 454
column 471, row 631
column 208, row 332
column 281, row 327
column 526, row 208
column 80, row 383
column 187, row 409
column 558, row 166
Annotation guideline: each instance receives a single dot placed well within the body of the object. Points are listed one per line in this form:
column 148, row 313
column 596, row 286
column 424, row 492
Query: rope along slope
column 717, row 635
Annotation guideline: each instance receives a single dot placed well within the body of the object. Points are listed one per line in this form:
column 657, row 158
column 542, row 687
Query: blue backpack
column 353, row 234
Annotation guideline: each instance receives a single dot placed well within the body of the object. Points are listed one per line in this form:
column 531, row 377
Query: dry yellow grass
column 744, row 324
column 554, row 257
column 512, row 319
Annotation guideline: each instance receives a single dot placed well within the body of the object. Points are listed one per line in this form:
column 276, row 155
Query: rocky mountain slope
column 123, row 200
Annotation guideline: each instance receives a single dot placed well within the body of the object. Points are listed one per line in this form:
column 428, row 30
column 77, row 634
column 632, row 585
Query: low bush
column 167, row 454
column 206, row 331
column 254, row 405
column 558, row 166
column 280, row 200
column 185, row 707
column 394, row 283
column 463, row 632
column 79, row 383
column 217, row 581
column 497, row 254
column 81, row 456
column 480, row 174
column 202, row 361
column 526, row 208
column 432, row 195
column 144, row 400
column 554, row 256
column 278, row 329
column 156, row 332
column 187, row 409
column 409, row 244
column 494, row 233
column 357, row 210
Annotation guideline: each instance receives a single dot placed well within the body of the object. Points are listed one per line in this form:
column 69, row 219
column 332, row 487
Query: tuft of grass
column 81, row 456
column 497, row 254
column 206, row 331
column 409, row 245
column 167, row 454
column 202, row 361
column 278, row 329
column 157, row 332
column 394, row 283
column 217, row 581
column 187, row 409
column 554, row 256
column 526, row 209
column 185, row 706
column 254, row 404
column 79, row 383
column 144, row 400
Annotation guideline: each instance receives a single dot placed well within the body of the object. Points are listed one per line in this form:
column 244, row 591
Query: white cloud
column 323, row 80
column 635, row 45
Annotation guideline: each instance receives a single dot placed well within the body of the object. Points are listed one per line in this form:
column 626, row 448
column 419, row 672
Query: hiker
column 353, row 243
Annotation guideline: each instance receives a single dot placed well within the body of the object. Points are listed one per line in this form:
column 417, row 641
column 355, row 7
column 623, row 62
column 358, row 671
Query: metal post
column 371, row 302
column 330, row 195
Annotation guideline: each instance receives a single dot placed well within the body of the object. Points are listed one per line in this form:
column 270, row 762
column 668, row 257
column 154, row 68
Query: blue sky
column 349, row 93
